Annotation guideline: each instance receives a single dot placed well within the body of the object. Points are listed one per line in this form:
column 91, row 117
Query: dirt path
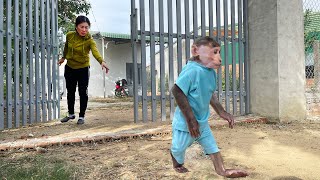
column 290, row 151
column 266, row 151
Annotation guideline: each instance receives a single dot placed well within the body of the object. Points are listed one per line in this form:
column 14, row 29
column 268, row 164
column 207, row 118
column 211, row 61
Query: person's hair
column 81, row 19
column 204, row 41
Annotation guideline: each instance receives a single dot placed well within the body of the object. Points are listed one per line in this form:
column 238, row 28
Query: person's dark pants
column 73, row 78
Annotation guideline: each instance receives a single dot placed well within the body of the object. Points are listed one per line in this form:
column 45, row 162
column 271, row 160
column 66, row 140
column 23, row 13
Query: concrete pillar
column 277, row 64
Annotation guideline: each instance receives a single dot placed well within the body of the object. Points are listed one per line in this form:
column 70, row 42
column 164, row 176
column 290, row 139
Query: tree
column 68, row 11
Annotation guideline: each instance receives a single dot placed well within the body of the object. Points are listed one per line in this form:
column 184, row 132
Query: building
column 117, row 52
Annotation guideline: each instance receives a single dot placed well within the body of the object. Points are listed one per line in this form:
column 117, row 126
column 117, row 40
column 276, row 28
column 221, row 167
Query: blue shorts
column 181, row 140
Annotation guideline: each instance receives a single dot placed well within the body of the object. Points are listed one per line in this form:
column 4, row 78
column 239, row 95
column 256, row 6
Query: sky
column 114, row 15
column 110, row 16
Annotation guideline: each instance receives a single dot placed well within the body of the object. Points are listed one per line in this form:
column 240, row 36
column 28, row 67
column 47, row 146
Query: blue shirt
column 198, row 83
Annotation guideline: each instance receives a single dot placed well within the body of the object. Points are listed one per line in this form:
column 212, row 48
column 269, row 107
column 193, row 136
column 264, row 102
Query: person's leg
column 71, row 85
column 208, row 142
column 83, row 82
column 181, row 140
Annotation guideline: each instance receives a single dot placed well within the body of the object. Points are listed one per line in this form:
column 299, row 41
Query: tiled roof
column 115, row 35
column 122, row 37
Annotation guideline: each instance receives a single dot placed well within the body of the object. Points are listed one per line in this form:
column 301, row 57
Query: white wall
column 116, row 57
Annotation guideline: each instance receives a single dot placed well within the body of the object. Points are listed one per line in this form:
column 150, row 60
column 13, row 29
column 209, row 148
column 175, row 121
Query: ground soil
column 266, row 151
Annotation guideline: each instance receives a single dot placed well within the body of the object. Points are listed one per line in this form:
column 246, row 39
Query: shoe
column 67, row 118
column 80, row 121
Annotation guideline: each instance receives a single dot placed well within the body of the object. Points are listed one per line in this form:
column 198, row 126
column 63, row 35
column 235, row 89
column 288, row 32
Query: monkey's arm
column 182, row 102
column 214, row 102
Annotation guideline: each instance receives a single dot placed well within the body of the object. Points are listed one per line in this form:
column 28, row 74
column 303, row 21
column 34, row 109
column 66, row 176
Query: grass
column 36, row 167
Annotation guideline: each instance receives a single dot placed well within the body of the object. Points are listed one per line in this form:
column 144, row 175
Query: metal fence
column 164, row 31
column 28, row 55
column 312, row 55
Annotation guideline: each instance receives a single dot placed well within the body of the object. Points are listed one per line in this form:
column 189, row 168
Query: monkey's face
column 207, row 56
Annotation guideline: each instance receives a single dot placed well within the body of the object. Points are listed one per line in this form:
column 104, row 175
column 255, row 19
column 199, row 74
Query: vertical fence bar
column 152, row 61
column 226, row 55
column 24, row 62
column 187, row 28
column 48, row 59
column 195, row 19
column 36, row 60
column 55, row 58
column 234, row 63
column 179, row 37
column 9, row 65
column 210, row 11
column 171, row 66
column 104, row 74
column 56, row 55
column 143, row 62
column 241, row 92
column 31, row 62
column 246, row 56
column 55, row 89
column 203, row 18
column 162, row 62
column 134, row 37
column 218, row 38
column 43, row 62
column 1, row 69
column 16, row 65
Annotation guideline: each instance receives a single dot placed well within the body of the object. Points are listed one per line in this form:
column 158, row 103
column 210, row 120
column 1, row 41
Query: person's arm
column 214, row 102
column 182, row 102
column 65, row 51
column 96, row 54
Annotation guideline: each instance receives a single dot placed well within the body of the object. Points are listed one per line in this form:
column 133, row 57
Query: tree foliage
column 68, row 11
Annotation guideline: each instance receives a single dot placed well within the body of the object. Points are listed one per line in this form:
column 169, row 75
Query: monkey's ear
column 194, row 51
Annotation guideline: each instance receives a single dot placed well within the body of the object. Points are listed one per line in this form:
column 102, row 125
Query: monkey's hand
column 193, row 127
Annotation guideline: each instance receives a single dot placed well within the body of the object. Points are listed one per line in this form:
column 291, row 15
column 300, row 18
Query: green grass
column 35, row 167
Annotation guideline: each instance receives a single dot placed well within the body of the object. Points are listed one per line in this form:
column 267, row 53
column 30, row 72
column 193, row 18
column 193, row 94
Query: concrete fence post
column 277, row 89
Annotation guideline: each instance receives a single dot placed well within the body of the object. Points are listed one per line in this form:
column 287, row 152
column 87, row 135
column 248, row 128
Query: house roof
column 116, row 37
column 121, row 38
column 215, row 30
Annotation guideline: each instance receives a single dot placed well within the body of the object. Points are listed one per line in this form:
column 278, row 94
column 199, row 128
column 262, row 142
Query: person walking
column 77, row 69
